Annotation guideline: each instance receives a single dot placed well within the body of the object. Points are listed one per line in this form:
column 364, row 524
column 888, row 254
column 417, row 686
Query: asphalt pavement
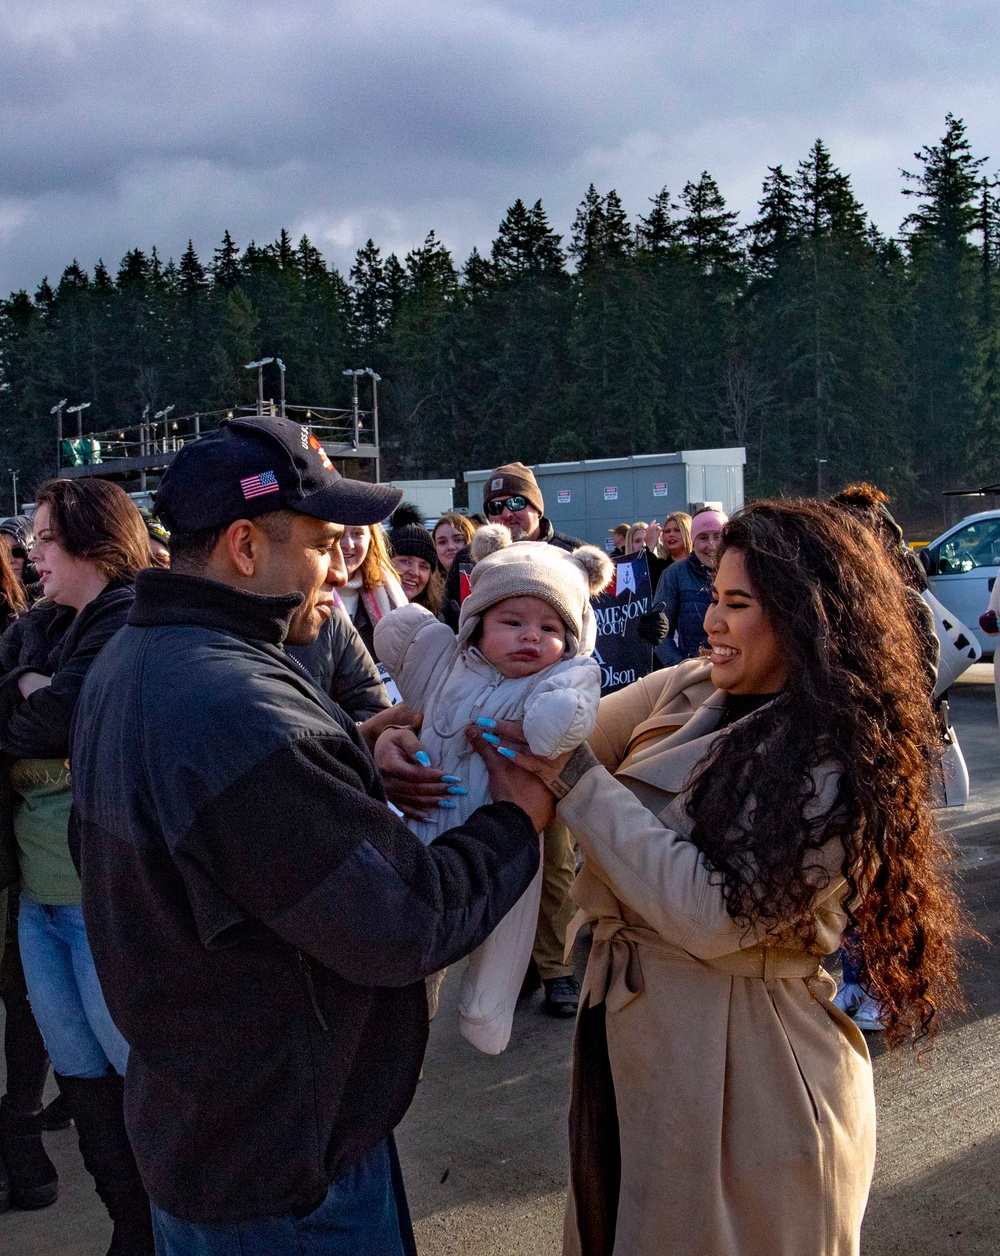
column 484, row 1147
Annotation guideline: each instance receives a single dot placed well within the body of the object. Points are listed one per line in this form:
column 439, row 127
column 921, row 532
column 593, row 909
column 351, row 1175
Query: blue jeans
column 64, row 991
column 364, row 1214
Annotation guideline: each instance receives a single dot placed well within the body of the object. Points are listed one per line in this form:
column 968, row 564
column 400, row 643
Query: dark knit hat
column 413, row 541
column 512, row 480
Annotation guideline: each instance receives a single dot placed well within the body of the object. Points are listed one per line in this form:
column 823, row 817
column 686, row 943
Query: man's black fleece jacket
column 261, row 921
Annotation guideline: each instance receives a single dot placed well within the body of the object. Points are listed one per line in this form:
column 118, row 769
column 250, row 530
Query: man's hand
column 415, row 788
column 31, row 681
column 511, row 779
column 398, row 716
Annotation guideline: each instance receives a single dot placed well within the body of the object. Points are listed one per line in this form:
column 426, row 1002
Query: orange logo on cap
column 315, row 445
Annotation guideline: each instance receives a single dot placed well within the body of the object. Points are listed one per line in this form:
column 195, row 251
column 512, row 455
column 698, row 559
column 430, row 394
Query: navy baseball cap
column 250, row 467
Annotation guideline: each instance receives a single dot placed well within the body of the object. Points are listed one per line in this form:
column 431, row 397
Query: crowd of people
column 235, row 873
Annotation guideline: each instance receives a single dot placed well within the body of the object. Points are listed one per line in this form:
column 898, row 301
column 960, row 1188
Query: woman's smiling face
column 354, row 544
column 747, row 656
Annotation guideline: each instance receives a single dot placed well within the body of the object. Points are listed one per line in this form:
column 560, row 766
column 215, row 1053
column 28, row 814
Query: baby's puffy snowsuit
column 452, row 683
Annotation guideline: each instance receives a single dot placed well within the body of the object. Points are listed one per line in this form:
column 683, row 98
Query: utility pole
column 78, row 411
column 281, row 367
column 259, row 368
column 354, row 403
column 13, row 475
column 820, row 464
column 57, row 410
column 161, row 414
column 144, row 444
column 375, row 378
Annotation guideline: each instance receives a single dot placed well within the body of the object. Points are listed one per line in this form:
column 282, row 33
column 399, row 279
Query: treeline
column 822, row 345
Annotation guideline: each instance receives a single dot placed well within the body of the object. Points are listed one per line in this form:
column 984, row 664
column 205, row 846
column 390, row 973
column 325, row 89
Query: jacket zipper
column 307, row 972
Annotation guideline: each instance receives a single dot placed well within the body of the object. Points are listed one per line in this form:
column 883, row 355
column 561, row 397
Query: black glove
column 654, row 625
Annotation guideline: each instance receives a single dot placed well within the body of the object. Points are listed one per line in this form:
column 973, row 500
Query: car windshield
column 977, row 545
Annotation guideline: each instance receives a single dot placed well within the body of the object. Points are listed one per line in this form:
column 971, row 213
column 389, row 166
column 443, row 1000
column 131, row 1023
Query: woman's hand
column 415, row 787
column 558, row 775
column 510, row 779
column 653, row 531
column 29, row 682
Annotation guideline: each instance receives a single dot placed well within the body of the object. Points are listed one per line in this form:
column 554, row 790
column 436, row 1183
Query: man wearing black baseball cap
column 261, row 921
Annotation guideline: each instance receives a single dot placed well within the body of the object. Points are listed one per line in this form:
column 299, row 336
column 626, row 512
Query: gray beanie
column 567, row 581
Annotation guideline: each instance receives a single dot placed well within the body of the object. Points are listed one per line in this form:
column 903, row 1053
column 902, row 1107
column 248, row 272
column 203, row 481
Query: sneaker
column 56, row 1115
column 868, row 1016
column 562, row 996
column 849, row 997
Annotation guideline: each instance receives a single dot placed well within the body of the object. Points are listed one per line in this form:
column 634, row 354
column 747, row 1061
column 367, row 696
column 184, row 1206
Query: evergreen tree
column 226, row 263
column 944, row 336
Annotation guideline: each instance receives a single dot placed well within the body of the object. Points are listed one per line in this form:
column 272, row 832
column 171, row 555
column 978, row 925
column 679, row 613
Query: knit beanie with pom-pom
column 567, row 581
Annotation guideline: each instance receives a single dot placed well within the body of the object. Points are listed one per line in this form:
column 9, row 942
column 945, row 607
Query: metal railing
column 151, row 439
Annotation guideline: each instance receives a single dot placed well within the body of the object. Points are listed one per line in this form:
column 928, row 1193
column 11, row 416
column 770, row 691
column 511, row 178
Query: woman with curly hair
column 741, row 812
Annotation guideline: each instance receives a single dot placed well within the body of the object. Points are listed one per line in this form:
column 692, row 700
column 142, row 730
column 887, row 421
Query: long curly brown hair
column 857, row 700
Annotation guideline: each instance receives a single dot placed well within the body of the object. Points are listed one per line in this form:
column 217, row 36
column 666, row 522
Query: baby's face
column 521, row 636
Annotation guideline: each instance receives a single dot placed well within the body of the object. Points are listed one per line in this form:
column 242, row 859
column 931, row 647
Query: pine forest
column 808, row 336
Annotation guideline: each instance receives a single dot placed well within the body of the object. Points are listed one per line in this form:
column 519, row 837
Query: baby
column 525, row 636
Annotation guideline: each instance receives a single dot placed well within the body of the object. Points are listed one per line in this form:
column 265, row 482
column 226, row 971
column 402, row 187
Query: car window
column 977, row 545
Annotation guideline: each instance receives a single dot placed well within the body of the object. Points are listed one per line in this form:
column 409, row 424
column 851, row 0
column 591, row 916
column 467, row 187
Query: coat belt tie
column 615, row 970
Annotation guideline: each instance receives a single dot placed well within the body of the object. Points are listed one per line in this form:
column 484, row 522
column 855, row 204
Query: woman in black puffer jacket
column 90, row 542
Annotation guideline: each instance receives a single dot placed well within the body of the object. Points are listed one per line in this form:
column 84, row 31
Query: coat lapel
column 667, row 764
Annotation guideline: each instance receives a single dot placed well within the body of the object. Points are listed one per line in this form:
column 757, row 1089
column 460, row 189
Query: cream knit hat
column 567, row 581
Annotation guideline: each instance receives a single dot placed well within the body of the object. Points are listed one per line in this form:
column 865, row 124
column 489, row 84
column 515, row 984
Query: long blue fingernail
column 423, row 758
column 452, row 780
column 446, row 802
column 483, row 722
column 491, row 738
column 507, row 754
column 457, row 789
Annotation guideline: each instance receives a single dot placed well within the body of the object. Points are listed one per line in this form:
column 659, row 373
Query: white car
column 962, row 565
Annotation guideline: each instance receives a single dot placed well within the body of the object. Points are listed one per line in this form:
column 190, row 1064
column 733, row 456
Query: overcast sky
column 131, row 123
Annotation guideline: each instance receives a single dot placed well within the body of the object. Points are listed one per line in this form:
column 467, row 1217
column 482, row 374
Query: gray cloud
column 129, row 123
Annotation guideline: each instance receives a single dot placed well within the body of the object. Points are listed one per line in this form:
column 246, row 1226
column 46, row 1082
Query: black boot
column 96, row 1104
column 56, row 1115
column 33, row 1181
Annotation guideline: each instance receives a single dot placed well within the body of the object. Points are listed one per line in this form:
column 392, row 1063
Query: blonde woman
column 373, row 588
column 672, row 542
column 635, row 538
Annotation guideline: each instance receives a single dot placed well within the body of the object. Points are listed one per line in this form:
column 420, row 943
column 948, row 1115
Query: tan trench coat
column 741, row 1098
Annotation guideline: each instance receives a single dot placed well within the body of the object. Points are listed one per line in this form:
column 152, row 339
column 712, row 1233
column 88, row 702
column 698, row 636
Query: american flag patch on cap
column 258, row 485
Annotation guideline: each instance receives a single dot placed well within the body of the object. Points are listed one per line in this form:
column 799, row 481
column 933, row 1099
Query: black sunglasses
column 19, row 552
column 513, row 504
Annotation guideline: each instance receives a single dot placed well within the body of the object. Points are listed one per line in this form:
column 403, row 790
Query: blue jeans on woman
column 65, row 993
column 364, row 1213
